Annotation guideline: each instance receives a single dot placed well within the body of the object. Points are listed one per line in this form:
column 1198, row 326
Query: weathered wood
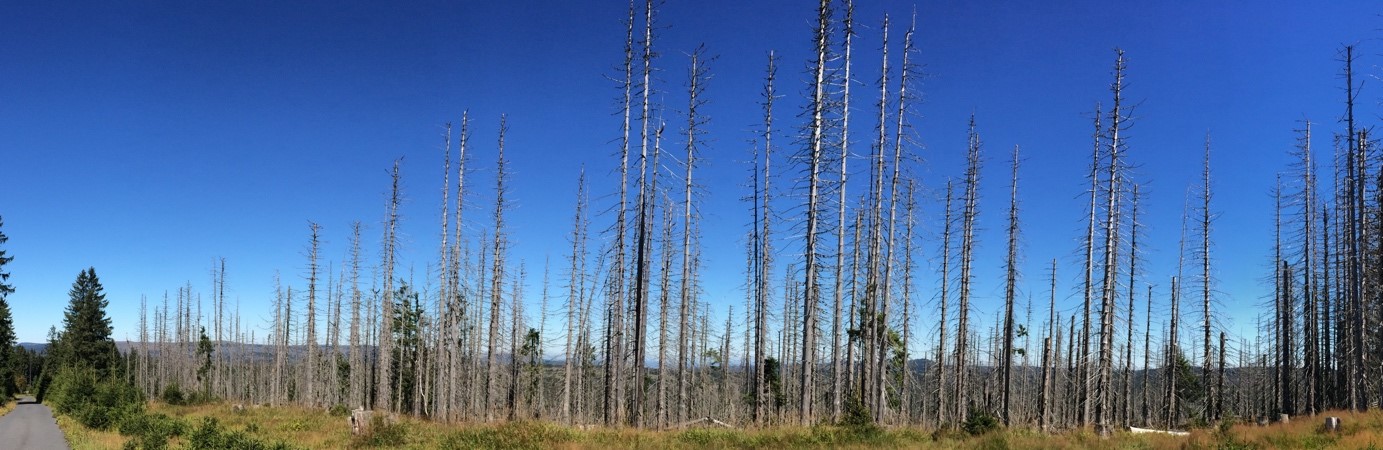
column 1136, row 430
column 708, row 421
column 360, row 421
column 1332, row 424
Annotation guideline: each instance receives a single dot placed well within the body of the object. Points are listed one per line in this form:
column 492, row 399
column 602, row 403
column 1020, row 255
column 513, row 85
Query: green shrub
column 100, row 405
column 210, row 436
column 980, row 422
column 173, row 395
column 339, row 410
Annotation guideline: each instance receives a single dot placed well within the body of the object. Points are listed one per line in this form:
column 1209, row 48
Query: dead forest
column 834, row 323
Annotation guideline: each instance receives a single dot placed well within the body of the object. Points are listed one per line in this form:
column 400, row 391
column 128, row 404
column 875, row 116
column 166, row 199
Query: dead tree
column 763, row 246
column 1010, row 292
column 967, row 253
column 498, row 249
column 1206, row 282
column 838, row 364
column 942, row 405
column 815, row 161
column 384, row 397
column 311, row 373
column 697, row 76
column 1118, row 115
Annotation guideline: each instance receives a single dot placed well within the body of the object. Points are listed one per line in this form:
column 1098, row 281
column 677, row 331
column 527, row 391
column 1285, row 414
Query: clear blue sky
column 149, row 138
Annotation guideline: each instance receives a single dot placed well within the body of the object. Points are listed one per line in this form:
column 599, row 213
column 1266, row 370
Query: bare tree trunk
column 1010, row 291
column 967, row 255
column 815, row 160
column 837, row 363
column 385, row 396
column 942, row 404
column 498, row 249
column 311, row 374
column 1132, row 277
column 1048, row 361
column 575, row 283
column 1111, row 232
column 1206, row 284
column 614, row 336
column 764, row 248
column 1088, row 288
column 357, row 363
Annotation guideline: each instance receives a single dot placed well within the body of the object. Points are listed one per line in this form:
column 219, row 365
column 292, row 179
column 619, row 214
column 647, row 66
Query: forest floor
column 319, row 429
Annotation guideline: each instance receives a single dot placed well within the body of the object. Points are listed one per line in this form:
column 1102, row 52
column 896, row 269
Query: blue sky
column 147, row 139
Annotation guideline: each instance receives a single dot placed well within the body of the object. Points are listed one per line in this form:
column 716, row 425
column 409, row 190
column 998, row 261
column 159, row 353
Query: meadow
column 296, row 427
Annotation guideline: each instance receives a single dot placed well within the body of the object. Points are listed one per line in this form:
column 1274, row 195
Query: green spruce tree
column 85, row 340
column 7, row 379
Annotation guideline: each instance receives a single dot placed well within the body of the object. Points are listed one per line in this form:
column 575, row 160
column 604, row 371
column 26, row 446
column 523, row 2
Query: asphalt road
column 30, row 426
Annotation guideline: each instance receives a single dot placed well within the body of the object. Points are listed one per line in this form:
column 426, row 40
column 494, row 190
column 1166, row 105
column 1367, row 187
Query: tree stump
column 360, row 421
column 1284, row 418
column 1332, row 424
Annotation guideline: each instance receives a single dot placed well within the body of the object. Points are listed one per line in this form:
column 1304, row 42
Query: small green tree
column 204, row 349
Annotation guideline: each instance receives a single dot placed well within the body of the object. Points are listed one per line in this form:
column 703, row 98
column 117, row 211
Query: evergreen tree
column 85, row 340
column 7, row 379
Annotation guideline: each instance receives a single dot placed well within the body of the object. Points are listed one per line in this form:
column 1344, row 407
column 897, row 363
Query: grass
column 314, row 429
column 8, row 405
column 80, row 437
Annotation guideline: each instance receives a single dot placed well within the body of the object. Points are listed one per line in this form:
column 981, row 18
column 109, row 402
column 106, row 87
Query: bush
column 980, row 422
column 151, row 431
column 339, row 410
column 100, row 405
column 210, row 436
column 173, row 395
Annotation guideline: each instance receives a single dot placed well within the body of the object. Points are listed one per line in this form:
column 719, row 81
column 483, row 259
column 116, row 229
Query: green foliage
column 173, row 395
column 339, row 410
column 7, row 338
column 980, row 422
column 85, row 339
column 408, row 344
column 856, row 414
column 204, row 349
column 95, row 403
column 151, row 431
column 774, row 379
column 211, row 436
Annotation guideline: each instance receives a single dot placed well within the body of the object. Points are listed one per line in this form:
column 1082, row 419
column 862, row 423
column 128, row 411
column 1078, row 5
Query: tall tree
column 1010, row 293
column 6, row 320
column 815, row 160
column 1118, row 115
column 847, row 26
column 1206, row 282
column 498, row 249
column 969, row 202
column 384, row 395
column 763, row 245
column 85, row 339
column 311, row 372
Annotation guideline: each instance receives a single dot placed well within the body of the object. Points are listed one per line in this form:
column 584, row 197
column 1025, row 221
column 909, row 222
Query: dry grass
column 8, row 406
column 80, row 437
column 317, row 429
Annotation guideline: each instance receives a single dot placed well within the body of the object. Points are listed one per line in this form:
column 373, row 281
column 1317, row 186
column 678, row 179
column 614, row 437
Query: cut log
column 705, row 421
column 1140, row 431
